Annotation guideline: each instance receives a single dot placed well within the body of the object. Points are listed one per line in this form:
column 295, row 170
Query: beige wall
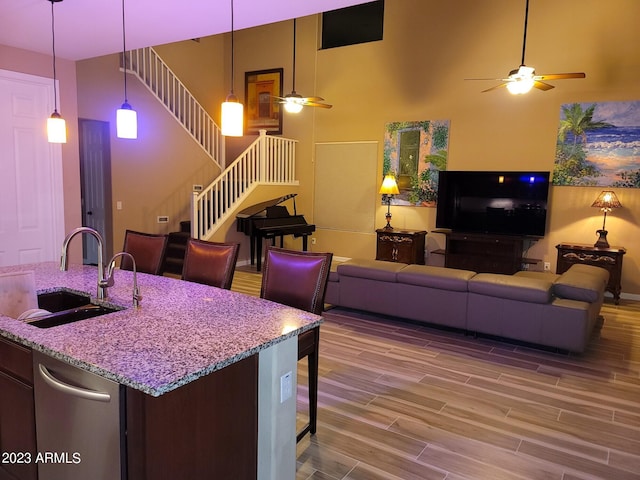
column 416, row 73
column 153, row 175
column 31, row 63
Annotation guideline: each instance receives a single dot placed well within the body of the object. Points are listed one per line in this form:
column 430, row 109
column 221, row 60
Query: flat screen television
column 502, row 203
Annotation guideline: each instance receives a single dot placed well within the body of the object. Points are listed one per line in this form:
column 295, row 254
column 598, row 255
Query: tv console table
column 484, row 253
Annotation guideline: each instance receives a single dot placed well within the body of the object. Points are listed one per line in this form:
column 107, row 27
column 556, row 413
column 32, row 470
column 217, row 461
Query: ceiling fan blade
column 542, row 86
column 494, row 79
column 494, row 87
column 316, row 104
column 560, row 76
column 313, row 99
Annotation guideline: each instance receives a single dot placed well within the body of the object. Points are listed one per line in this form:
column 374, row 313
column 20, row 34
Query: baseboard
column 627, row 296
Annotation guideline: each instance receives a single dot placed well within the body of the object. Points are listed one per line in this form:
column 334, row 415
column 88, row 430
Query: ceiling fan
column 293, row 102
column 523, row 78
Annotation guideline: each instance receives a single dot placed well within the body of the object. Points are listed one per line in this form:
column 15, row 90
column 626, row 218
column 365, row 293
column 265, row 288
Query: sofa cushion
column 552, row 277
column 435, row 277
column 582, row 282
column 513, row 287
column 371, row 269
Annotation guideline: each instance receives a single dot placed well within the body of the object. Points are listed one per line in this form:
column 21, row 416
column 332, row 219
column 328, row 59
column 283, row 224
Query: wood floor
column 402, row 401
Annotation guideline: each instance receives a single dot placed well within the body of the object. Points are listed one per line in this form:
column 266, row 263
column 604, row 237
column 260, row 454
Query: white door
column 31, row 208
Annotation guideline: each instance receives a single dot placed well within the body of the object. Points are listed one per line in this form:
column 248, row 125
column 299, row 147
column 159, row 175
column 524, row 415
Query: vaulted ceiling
column 91, row 28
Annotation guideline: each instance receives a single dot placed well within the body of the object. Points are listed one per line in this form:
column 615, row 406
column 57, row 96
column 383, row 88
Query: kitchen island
column 200, row 370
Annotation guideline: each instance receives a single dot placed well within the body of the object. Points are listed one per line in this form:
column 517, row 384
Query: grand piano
column 270, row 220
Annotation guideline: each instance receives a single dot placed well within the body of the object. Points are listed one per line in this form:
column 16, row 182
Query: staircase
column 176, row 249
column 268, row 160
column 160, row 80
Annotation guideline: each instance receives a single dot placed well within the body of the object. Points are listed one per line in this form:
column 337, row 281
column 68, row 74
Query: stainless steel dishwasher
column 79, row 422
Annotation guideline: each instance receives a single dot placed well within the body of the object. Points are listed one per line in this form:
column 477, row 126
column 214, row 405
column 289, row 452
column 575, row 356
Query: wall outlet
column 547, row 266
column 313, row 240
column 286, row 386
column 163, row 219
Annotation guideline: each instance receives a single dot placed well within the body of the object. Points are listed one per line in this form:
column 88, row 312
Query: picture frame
column 263, row 110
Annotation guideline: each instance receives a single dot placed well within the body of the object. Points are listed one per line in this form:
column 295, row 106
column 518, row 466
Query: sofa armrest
column 585, row 283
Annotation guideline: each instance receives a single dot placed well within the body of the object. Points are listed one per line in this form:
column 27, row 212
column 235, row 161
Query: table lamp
column 388, row 189
column 606, row 201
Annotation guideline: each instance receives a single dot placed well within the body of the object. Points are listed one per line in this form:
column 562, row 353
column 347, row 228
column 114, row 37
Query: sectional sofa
column 559, row 311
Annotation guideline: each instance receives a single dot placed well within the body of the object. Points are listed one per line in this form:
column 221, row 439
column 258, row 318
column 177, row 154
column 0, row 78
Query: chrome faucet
column 102, row 283
column 110, row 281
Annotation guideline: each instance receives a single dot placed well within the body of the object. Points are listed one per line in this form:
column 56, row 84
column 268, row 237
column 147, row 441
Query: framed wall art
column 598, row 144
column 414, row 152
column 262, row 108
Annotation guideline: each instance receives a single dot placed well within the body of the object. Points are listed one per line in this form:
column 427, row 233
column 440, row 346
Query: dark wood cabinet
column 484, row 253
column 607, row 258
column 205, row 429
column 17, row 413
column 403, row 246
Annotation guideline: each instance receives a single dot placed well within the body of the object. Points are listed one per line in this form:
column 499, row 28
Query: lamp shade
column 606, row 201
column 56, row 129
column 232, row 117
column 389, row 186
column 126, row 122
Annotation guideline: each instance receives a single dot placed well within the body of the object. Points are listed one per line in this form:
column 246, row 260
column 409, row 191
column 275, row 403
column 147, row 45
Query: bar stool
column 299, row 280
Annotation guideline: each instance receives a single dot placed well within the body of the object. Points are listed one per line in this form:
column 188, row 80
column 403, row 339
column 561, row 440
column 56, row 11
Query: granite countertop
column 181, row 332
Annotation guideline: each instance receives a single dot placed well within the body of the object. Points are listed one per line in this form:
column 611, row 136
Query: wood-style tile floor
column 403, row 401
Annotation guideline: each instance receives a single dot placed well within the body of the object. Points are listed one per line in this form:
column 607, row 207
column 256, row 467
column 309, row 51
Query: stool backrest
column 294, row 278
column 211, row 263
column 148, row 249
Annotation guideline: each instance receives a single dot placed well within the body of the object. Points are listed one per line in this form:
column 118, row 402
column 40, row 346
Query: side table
column 404, row 246
column 607, row 258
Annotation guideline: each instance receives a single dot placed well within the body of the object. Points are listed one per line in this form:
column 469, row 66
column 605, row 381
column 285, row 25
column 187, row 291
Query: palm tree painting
column 415, row 152
column 598, row 144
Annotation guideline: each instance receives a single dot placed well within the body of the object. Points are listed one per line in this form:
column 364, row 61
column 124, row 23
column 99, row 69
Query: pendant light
column 232, row 110
column 126, row 117
column 56, row 126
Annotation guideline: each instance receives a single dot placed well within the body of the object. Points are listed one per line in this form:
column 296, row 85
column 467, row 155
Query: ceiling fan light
column 520, row 86
column 526, row 72
column 292, row 105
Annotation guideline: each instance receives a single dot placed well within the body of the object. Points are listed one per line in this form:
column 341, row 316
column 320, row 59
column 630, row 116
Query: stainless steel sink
column 68, row 307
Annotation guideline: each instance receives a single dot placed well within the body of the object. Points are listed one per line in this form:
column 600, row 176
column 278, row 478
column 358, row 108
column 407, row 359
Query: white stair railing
column 267, row 161
column 160, row 80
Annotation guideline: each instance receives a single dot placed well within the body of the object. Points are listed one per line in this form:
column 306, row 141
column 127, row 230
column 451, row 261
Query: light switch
column 118, row 205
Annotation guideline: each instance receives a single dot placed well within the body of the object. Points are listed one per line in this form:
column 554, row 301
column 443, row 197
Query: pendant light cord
column 232, row 69
column 53, row 37
column 524, row 40
column 124, row 55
